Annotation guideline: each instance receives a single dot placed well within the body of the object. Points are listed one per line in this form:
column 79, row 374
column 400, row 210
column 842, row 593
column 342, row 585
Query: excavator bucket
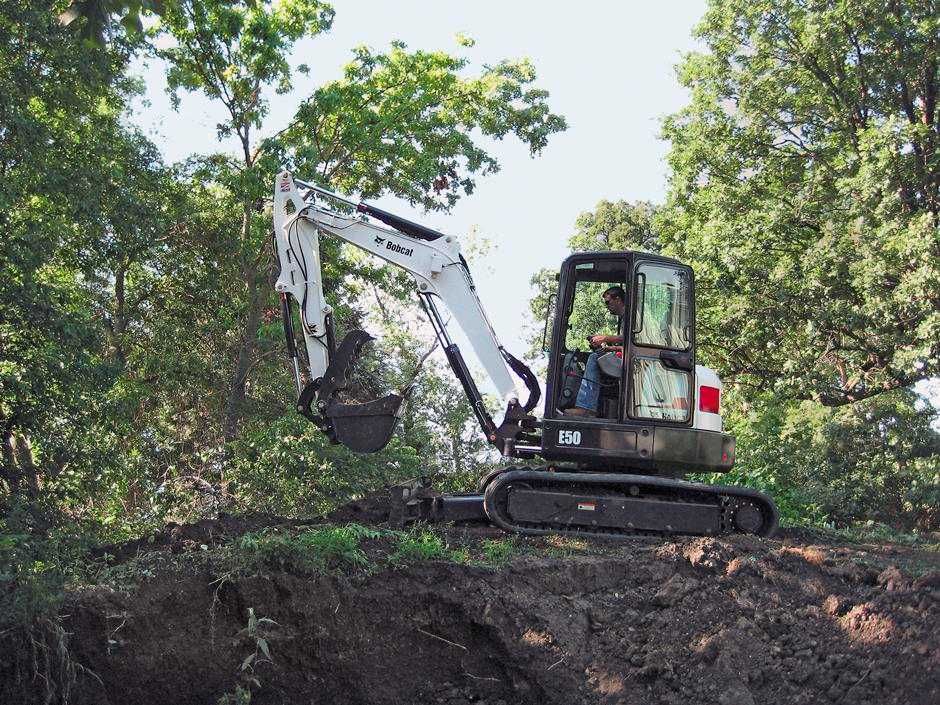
column 365, row 427
column 368, row 427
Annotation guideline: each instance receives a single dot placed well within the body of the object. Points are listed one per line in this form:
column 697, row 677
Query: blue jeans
column 590, row 392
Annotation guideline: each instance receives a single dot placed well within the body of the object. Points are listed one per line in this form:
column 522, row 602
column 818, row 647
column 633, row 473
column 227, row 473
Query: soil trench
column 734, row 621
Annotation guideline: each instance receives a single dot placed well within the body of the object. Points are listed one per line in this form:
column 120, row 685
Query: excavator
column 618, row 473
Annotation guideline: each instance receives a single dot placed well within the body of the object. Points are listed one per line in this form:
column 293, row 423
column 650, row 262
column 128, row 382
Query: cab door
column 661, row 345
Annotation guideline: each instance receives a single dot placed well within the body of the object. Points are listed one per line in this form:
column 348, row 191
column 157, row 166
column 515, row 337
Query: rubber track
column 495, row 499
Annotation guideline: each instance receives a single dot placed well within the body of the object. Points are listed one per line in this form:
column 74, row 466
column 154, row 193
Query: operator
column 590, row 391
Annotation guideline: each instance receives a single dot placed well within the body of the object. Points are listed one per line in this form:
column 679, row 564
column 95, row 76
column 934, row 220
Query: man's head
column 614, row 300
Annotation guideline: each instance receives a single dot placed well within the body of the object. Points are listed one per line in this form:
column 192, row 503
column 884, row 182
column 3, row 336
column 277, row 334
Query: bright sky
column 609, row 67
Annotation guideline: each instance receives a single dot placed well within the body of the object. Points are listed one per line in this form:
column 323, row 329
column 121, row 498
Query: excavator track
column 614, row 505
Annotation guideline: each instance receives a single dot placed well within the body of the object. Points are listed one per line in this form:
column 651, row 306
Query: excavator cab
column 641, row 404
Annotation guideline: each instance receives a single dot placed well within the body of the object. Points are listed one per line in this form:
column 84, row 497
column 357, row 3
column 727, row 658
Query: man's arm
column 598, row 340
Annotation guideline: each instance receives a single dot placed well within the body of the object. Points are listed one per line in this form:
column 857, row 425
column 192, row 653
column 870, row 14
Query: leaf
column 249, row 659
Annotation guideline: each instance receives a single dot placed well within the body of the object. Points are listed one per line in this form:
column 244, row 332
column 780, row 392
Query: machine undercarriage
column 539, row 501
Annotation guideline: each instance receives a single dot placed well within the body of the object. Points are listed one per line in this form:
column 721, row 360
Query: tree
column 617, row 225
column 405, row 123
column 232, row 52
column 877, row 459
column 70, row 182
column 97, row 17
column 805, row 190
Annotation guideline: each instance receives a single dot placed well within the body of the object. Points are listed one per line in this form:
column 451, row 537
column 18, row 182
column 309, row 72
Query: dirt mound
column 372, row 509
column 180, row 537
column 369, row 510
column 693, row 620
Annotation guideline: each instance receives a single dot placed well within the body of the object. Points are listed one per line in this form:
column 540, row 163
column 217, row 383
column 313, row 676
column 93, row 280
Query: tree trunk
column 119, row 314
column 8, row 471
column 27, row 465
column 246, row 348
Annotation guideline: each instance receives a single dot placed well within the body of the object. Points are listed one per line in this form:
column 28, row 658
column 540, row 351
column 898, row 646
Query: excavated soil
column 797, row 619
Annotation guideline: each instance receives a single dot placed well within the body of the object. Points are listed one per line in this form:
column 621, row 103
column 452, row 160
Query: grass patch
column 872, row 532
column 423, row 544
column 500, row 551
column 567, row 546
column 323, row 549
column 420, row 545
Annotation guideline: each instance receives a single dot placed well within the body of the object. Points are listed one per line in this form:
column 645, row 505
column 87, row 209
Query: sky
column 609, row 68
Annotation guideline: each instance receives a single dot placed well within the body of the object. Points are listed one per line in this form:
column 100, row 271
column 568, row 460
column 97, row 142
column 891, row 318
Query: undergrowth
column 500, row 551
column 874, row 532
column 325, row 548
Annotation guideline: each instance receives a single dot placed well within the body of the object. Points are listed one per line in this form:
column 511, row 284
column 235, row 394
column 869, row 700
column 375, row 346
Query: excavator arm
column 440, row 273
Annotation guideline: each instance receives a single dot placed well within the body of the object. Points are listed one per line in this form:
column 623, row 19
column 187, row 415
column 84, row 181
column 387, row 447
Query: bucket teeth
column 337, row 374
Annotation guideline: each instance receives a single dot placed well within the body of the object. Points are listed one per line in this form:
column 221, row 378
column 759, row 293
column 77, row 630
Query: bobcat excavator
column 619, row 473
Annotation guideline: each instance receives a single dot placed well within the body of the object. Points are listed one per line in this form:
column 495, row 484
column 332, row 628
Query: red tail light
column 708, row 399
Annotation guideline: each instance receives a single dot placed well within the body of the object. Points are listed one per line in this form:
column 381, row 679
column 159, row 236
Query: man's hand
column 596, row 341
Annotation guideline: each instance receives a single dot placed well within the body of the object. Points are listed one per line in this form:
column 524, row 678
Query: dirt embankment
column 693, row 620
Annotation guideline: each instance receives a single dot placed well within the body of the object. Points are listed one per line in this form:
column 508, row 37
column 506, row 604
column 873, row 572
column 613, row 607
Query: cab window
column 658, row 392
column 663, row 313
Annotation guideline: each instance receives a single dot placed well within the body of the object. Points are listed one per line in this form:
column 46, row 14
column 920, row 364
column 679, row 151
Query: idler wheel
column 748, row 518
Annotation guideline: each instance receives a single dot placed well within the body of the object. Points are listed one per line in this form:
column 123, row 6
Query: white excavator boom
column 432, row 259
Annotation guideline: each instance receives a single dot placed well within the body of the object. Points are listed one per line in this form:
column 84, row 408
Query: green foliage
column 500, row 551
column 232, row 50
column 876, row 460
column 257, row 634
column 82, row 200
column 101, row 20
column 874, row 532
column 423, row 543
column 407, row 122
column 804, row 191
column 141, row 367
column 616, row 225
column 402, row 122
column 420, row 544
column 36, row 562
column 288, row 467
column 241, row 695
column 325, row 548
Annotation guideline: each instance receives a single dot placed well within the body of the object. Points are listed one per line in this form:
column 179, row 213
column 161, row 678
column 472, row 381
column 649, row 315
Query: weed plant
column 321, row 549
column 500, row 551
column 420, row 544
